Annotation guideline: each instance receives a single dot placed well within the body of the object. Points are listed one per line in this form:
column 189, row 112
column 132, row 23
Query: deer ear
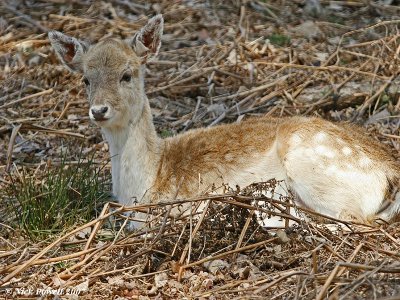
column 69, row 50
column 147, row 41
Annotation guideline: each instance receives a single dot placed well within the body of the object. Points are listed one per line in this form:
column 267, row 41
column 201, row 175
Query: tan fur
column 215, row 154
column 210, row 155
column 334, row 168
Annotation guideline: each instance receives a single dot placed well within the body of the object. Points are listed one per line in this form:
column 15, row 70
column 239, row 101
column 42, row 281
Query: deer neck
column 135, row 152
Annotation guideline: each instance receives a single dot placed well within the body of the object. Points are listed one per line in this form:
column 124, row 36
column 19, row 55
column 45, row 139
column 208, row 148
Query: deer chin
column 103, row 122
column 115, row 121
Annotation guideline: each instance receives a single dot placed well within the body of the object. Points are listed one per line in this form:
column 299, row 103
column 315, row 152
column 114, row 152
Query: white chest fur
column 132, row 169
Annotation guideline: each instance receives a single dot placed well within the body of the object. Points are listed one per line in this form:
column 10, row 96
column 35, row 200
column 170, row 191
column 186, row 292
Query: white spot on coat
column 346, row 151
column 325, row 151
column 295, row 140
column 365, row 161
column 320, row 136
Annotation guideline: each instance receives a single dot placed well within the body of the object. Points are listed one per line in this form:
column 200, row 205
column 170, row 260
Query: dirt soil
column 220, row 62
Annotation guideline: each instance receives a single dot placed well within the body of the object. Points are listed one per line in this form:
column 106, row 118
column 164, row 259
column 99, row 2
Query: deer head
column 112, row 71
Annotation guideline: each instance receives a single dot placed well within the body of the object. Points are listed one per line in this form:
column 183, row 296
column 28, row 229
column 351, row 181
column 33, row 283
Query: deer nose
column 99, row 112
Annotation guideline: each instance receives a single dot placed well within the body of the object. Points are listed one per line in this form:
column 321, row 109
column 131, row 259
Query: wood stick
column 11, row 103
column 96, row 227
column 11, row 146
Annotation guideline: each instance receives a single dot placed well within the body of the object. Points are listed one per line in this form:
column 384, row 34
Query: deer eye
column 86, row 81
column 127, row 77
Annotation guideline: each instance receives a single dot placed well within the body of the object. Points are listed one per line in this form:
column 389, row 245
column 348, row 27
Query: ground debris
column 220, row 61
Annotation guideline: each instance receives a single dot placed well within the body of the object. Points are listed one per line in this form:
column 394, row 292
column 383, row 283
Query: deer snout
column 98, row 112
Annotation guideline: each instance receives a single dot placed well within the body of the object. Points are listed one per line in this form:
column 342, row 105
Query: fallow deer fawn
column 333, row 169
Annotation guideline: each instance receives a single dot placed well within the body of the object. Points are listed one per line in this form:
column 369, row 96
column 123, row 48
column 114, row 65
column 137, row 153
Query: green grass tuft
column 279, row 40
column 65, row 196
column 166, row 133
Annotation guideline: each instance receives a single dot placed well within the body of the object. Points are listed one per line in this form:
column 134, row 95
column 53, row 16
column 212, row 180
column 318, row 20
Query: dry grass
column 216, row 65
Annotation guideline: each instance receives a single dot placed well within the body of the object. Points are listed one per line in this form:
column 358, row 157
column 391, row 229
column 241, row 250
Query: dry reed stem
column 96, row 227
column 290, row 274
column 182, row 268
column 11, row 146
column 52, row 260
column 37, row 256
